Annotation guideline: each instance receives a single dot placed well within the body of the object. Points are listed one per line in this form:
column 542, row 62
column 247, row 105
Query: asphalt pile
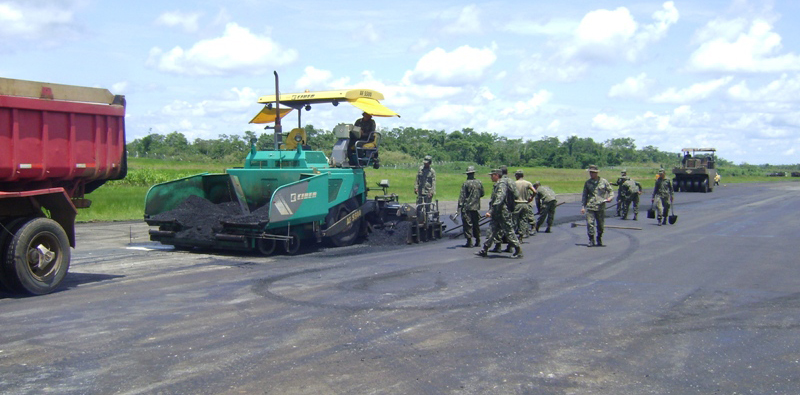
column 397, row 235
column 201, row 219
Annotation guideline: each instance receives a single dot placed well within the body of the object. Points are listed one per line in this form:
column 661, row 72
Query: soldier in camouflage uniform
column 663, row 191
column 597, row 192
column 512, row 191
column 523, row 217
column 545, row 206
column 425, row 185
column 623, row 176
column 502, row 198
column 630, row 190
column 469, row 202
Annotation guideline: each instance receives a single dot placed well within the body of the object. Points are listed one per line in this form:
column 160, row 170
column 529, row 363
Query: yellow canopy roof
column 372, row 107
column 267, row 115
column 364, row 99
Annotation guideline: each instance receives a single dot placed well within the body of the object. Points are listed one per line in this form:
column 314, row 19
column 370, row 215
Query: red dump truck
column 57, row 143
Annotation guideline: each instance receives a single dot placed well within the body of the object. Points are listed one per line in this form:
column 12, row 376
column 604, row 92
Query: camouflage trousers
column 424, row 209
column 595, row 222
column 472, row 229
column 662, row 206
column 626, row 205
column 501, row 229
column 523, row 218
column 548, row 213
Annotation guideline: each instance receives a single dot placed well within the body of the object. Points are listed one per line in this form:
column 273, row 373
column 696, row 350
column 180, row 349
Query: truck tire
column 9, row 228
column 292, row 246
column 37, row 258
column 265, row 246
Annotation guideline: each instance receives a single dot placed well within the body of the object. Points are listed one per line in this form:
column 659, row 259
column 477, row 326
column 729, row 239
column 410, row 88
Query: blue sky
column 674, row 74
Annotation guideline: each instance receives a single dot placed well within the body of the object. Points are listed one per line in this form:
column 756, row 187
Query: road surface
column 708, row 305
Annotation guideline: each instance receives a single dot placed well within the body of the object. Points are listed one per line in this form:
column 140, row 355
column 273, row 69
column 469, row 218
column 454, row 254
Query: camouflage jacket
column 506, row 192
column 426, row 181
column 630, row 188
column 544, row 194
column 511, row 192
column 595, row 194
column 663, row 188
column 471, row 194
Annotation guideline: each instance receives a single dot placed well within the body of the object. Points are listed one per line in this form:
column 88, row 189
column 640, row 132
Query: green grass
column 124, row 199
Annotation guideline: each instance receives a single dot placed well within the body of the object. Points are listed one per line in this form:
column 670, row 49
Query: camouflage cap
column 519, row 173
column 470, row 169
column 593, row 169
column 504, row 169
column 624, row 171
column 496, row 171
column 660, row 171
column 427, row 159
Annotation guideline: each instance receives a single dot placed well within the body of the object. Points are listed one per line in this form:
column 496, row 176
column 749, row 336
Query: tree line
column 408, row 144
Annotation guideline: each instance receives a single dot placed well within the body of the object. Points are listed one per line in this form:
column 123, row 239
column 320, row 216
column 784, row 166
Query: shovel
column 672, row 218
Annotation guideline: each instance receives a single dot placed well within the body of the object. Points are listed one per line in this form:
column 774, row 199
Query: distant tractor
column 697, row 171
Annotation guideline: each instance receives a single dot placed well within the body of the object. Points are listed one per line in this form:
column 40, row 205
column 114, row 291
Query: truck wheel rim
column 42, row 255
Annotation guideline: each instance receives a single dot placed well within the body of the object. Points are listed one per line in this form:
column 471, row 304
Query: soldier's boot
column 477, row 241
column 469, row 243
column 509, row 248
column 665, row 220
column 599, row 240
column 517, row 253
column 659, row 221
column 496, row 248
column 547, row 230
column 591, row 241
column 634, row 216
column 482, row 253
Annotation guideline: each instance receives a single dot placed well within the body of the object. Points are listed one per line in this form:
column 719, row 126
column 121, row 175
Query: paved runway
column 708, row 305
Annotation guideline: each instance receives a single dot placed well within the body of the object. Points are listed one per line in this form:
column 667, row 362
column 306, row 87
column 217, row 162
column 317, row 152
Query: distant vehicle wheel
column 292, row 246
column 37, row 258
column 676, row 185
column 704, row 186
column 683, row 186
column 266, row 247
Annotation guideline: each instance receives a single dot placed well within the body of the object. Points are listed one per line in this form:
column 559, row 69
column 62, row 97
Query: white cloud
column 120, row 88
column 536, row 68
column 633, row 87
column 48, row 22
column 369, row 33
column 693, row 93
column 450, row 113
column 465, row 65
column 236, row 51
column 467, row 22
column 784, row 89
column 313, row 77
column 735, row 46
column 529, row 106
column 602, row 35
column 200, row 119
column 187, row 21
column 553, row 27
column 610, row 35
